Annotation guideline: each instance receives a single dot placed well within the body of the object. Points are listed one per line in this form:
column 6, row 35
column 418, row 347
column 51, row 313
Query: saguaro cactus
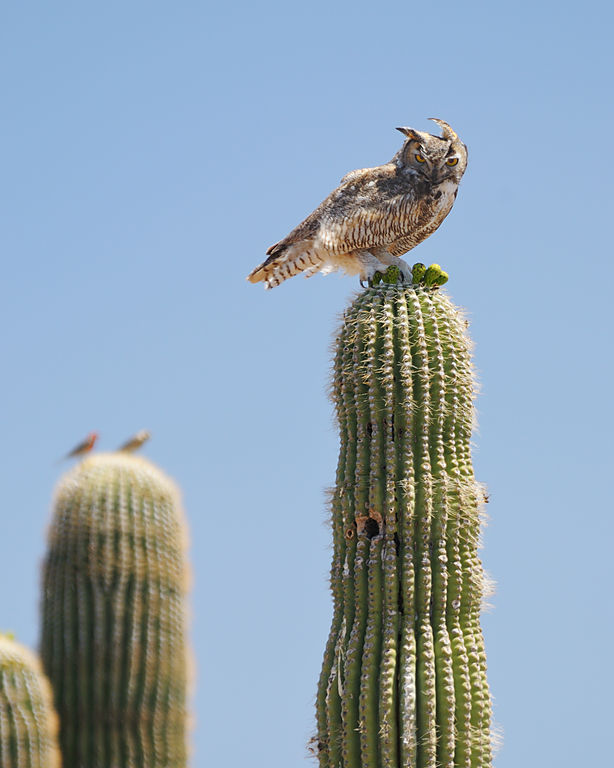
column 114, row 615
column 28, row 722
column 403, row 683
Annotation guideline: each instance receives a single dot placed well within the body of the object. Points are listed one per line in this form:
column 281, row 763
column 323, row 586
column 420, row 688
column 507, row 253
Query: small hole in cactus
column 349, row 534
column 369, row 428
column 371, row 528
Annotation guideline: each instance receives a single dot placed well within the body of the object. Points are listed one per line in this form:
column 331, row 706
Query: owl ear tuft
column 446, row 130
column 410, row 133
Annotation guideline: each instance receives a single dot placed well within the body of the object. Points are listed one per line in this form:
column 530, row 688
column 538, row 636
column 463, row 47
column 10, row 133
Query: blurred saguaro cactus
column 28, row 722
column 114, row 615
column 403, row 683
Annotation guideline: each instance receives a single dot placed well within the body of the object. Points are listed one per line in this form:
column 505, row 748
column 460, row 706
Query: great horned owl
column 376, row 214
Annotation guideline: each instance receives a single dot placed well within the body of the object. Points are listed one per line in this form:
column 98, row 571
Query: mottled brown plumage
column 135, row 442
column 376, row 214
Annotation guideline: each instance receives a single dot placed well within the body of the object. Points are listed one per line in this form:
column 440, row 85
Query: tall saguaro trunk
column 114, row 635
column 403, row 683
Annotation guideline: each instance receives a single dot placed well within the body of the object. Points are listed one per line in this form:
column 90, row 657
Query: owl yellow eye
column 452, row 161
column 419, row 158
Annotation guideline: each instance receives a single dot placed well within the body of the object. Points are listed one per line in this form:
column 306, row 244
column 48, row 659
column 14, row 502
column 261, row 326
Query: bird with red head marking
column 83, row 447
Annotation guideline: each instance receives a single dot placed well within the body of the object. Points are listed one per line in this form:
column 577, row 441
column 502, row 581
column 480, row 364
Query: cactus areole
column 403, row 683
column 114, row 640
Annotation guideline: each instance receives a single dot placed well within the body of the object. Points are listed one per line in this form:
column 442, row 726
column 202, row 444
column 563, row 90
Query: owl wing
column 363, row 209
column 371, row 208
column 354, row 175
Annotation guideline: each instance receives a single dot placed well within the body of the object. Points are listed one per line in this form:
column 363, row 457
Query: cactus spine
column 114, row 615
column 403, row 683
column 28, row 722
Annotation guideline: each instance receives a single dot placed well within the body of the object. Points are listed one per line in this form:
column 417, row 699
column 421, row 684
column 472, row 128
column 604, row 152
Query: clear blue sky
column 149, row 154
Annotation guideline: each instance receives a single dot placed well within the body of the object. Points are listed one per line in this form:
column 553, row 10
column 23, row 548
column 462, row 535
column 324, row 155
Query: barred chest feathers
column 376, row 214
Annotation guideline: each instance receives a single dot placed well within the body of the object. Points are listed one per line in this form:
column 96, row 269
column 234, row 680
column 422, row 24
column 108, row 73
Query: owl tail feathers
column 285, row 261
column 256, row 275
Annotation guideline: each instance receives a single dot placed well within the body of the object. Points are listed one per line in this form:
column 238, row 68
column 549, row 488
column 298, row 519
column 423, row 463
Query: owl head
column 437, row 158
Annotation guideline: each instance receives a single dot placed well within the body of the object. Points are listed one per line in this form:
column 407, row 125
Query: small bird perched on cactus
column 83, row 447
column 135, row 442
